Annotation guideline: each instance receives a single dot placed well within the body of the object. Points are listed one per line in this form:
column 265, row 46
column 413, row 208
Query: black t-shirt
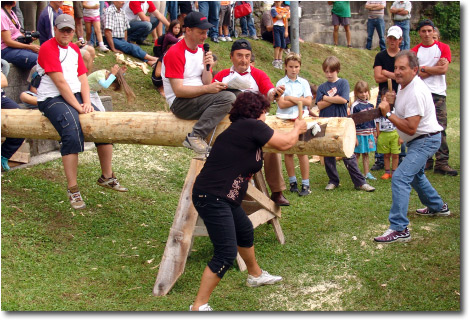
column 385, row 61
column 235, row 157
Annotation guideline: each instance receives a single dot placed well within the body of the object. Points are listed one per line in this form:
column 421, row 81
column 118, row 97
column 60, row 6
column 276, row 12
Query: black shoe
column 294, row 187
column 377, row 166
column 304, row 191
column 445, row 169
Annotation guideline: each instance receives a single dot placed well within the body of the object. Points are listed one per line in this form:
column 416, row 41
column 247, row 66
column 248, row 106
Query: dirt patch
column 304, row 294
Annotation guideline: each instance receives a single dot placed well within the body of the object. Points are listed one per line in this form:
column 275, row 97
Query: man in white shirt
column 415, row 120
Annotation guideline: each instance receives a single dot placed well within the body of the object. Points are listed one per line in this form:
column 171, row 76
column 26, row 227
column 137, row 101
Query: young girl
column 91, row 17
column 366, row 131
column 105, row 79
column 297, row 90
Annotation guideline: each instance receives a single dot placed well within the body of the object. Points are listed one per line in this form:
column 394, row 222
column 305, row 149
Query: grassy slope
column 106, row 257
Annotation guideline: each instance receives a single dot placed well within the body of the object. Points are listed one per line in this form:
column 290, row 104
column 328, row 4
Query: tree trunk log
column 164, row 129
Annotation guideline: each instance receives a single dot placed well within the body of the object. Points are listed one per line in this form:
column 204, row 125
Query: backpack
column 158, row 48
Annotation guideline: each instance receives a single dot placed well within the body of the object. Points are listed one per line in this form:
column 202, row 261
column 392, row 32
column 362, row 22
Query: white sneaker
column 103, row 48
column 228, row 38
column 222, row 39
column 204, row 307
column 263, row 279
column 76, row 201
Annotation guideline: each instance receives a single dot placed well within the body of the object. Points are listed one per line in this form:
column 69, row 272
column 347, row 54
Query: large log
column 164, row 129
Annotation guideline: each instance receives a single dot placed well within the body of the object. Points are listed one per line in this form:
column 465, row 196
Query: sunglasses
column 68, row 30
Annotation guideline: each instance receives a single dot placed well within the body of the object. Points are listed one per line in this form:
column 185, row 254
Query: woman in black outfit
column 222, row 184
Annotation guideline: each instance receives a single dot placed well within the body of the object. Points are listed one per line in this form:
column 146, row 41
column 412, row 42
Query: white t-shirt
column 429, row 56
column 416, row 99
column 91, row 12
column 185, row 64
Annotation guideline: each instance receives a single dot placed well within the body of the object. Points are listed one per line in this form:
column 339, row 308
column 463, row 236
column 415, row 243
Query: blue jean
column 139, row 30
column 211, row 9
column 377, row 24
column 247, row 23
column 129, row 48
column 172, row 9
column 405, row 26
column 22, row 58
column 279, row 37
column 410, row 174
column 11, row 145
column 228, row 227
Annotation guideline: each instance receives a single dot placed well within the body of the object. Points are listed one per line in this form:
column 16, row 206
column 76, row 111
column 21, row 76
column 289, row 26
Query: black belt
column 425, row 135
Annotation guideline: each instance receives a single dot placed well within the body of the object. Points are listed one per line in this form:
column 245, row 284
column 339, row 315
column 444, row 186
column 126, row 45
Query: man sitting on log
column 257, row 81
column 63, row 94
column 187, row 81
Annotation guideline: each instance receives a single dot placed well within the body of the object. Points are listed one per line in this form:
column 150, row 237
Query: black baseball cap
column 241, row 44
column 197, row 20
column 426, row 22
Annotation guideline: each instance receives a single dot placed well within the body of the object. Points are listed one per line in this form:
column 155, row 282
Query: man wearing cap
column 415, row 120
column 383, row 70
column 63, row 94
column 257, row 81
column 434, row 58
column 187, row 80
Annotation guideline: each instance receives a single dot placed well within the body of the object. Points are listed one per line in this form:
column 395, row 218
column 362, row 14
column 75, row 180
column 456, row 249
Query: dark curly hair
column 249, row 105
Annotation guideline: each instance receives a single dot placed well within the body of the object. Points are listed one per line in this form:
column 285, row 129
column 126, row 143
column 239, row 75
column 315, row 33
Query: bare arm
column 161, row 17
column 382, row 75
column 6, row 38
column 110, row 41
column 182, row 91
column 4, row 81
column 285, row 140
column 407, row 125
column 289, row 101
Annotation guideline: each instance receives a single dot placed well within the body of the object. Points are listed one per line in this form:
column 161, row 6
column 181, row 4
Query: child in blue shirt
column 365, row 131
column 332, row 98
column 297, row 90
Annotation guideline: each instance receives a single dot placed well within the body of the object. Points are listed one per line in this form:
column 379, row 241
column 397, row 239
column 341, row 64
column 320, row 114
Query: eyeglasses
column 68, row 30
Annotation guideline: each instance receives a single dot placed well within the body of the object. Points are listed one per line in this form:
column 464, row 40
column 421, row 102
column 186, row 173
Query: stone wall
column 316, row 22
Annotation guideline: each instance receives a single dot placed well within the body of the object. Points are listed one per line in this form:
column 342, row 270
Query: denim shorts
column 65, row 120
column 279, row 37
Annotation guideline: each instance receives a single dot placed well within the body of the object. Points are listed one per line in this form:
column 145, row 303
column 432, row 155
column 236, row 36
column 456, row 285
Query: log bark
column 164, row 129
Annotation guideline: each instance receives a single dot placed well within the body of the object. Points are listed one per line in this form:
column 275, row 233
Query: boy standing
column 280, row 16
column 332, row 98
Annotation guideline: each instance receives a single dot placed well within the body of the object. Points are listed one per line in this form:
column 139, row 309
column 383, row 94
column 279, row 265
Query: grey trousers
column 209, row 109
column 352, row 166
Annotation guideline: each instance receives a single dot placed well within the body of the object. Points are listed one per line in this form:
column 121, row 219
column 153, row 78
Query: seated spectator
column 11, row 145
column 64, row 85
column 21, row 54
column 142, row 25
column 45, row 26
column 115, row 33
column 267, row 25
column 29, row 97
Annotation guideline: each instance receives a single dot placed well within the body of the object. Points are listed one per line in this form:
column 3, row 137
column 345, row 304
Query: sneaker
column 428, row 212
column 111, row 183
column 263, row 279
column 222, row 39
column 370, row 176
column 204, row 307
column 365, row 187
column 254, row 37
column 445, row 169
column 330, row 186
column 386, row 176
column 197, row 144
column 228, row 38
column 304, row 191
column 394, row 236
column 377, row 166
column 215, row 39
column 294, row 187
column 103, row 48
column 5, row 165
column 76, row 201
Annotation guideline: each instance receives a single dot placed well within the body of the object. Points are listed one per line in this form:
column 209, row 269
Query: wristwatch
column 422, row 69
column 388, row 114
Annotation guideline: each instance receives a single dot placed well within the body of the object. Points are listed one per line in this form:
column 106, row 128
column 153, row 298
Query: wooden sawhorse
column 187, row 225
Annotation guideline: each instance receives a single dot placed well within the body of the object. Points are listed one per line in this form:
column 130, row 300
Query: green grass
column 106, row 257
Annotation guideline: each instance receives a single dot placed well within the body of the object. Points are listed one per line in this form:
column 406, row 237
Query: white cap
column 395, row 31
